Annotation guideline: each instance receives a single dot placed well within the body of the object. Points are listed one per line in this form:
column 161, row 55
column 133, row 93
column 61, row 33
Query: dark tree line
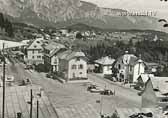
column 6, row 25
column 151, row 51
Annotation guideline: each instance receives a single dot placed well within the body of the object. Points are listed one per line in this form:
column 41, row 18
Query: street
column 62, row 95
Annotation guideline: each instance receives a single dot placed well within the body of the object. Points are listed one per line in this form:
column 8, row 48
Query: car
column 96, row 90
column 107, row 92
column 91, row 87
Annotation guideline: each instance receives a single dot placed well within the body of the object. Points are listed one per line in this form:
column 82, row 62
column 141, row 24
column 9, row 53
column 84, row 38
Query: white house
column 35, row 52
column 104, row 65
column 138, row 69
column 125, row 66
column 73, row 65
column 50, row 55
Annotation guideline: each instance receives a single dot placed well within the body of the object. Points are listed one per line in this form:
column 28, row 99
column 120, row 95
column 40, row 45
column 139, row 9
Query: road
column 62, row 95
column 120, row 91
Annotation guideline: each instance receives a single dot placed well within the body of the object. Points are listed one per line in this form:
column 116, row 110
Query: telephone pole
column 31, row 103
column 3, row 100
column 37, row 109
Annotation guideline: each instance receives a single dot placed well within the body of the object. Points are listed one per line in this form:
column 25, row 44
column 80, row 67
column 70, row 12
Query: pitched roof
column 54, row 48
column 127, row 112
column 77, row 111
column 53, row 45
column 36, row 44
column 105, row 61
column 145, row 77
column 128, row 59
column 69, row 54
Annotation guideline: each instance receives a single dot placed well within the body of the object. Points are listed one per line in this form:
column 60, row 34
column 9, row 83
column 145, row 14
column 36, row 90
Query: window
column 35, row 46
column 73, row 66
column 80, row 66
column 80, row 73
column 33, row 51
column 32, row 57
column 119, row 66
column 39, row 51
column 39, row 57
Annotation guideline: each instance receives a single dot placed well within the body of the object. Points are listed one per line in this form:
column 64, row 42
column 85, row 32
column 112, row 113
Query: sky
column 161, row 7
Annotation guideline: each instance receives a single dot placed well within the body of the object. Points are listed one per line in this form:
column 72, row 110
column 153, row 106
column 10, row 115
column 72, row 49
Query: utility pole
column 37, row 109
column 31, row 102
column 3, row 100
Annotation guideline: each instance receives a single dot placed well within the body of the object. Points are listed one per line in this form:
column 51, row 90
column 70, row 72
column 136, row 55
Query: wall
column 107, row 69
column 79, row 73
column 35, row 54
column 136, row 69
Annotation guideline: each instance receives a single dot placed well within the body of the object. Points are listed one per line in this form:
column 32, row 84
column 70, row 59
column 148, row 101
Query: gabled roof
column 53, row 45
column 36, row 44
column 128, row 59
column 69, row 54
column 105, row 61
column 54, row 48
column 139, row 61
column 145, row 77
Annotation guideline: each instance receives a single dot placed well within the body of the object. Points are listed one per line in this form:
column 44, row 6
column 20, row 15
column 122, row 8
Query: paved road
column 75, row 94
column 127, row 93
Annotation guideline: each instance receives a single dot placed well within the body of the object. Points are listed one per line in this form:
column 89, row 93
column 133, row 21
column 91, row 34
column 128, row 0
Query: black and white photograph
column 83, row 58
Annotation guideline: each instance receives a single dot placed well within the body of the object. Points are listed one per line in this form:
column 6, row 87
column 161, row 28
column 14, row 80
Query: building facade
column 35, row 52
column 104, row 65
column 125, row 66
column 50, row 55
column 73, row 65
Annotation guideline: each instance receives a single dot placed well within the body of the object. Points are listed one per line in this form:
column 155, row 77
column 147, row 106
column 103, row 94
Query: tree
column 79, row 35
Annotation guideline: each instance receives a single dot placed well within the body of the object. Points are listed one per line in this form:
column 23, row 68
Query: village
column 68, row 85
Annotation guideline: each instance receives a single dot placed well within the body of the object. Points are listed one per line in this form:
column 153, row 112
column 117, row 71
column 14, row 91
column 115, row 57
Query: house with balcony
column 50, row 55
column 35, row 52
column 125, row 66
column 73, row 65
column 155, row 93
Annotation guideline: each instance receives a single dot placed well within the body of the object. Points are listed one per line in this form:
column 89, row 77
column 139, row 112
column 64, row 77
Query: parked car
column 48, row 75
column 94, row 89
column 107, row 92
column 91, row 87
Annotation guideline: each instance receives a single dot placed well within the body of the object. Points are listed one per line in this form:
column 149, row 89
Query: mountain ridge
column 61, row 13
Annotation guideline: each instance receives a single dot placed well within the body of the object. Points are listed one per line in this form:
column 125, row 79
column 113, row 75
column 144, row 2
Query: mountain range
column 63, row 13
